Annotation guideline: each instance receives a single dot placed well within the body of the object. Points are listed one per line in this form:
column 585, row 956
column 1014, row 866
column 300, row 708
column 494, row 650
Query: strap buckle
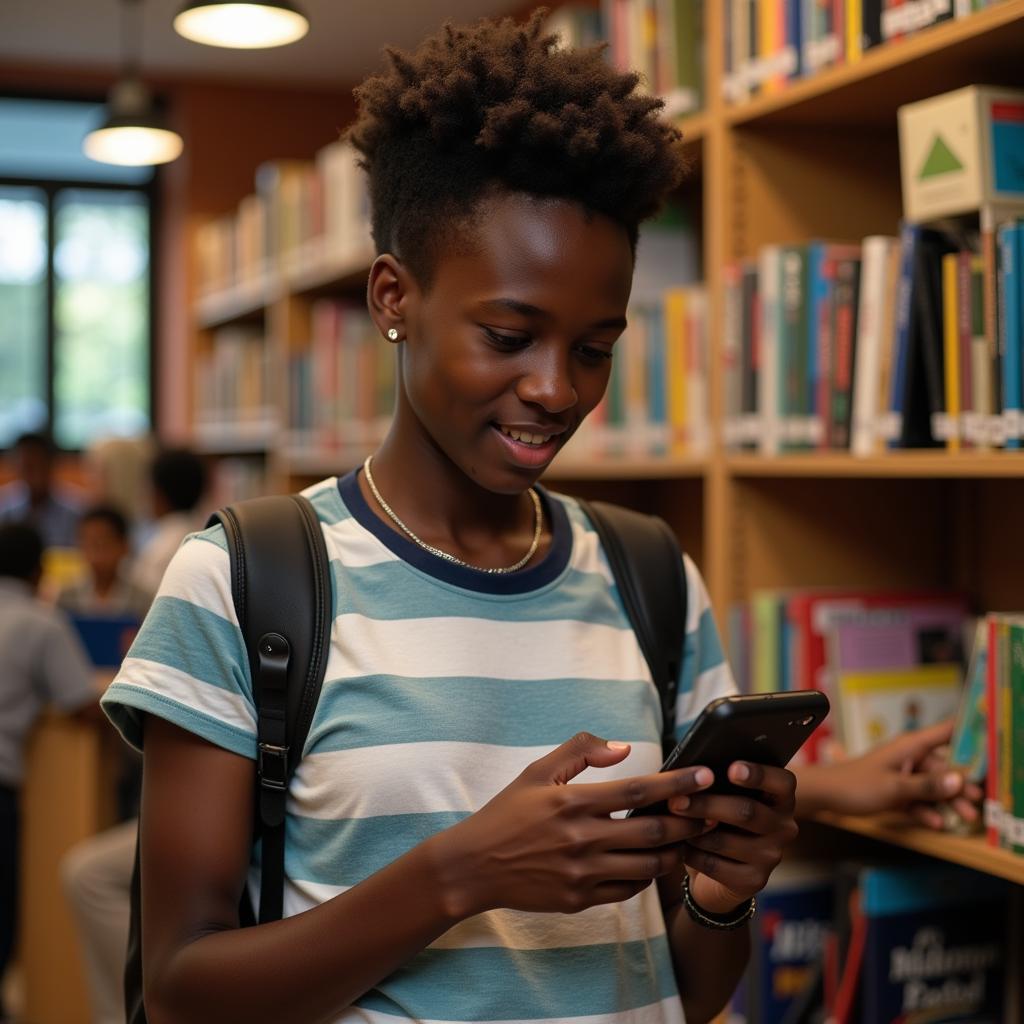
column 273, row 766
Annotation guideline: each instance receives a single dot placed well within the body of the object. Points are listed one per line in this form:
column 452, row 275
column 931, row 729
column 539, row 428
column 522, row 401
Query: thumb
column 566, row 761
column 913, row 747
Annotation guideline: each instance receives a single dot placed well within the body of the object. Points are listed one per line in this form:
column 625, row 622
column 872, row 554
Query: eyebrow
column 527, row 309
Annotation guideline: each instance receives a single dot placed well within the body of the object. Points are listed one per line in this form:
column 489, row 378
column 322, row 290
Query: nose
column 547, row 381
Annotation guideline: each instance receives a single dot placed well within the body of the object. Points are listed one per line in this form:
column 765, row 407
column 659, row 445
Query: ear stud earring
column 392, row 334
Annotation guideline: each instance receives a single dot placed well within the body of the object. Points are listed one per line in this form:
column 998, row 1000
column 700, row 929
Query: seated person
column 103, row 539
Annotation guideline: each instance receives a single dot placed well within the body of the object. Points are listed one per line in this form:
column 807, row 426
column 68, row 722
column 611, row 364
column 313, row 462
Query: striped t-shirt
column 443, row 683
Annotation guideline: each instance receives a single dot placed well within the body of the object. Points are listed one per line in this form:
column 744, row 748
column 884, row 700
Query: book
column 106, row 638
column 967, row 749
column 876, row 706
column 934, row 945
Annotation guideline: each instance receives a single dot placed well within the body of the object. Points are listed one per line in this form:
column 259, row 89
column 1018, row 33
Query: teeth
column 525, row 438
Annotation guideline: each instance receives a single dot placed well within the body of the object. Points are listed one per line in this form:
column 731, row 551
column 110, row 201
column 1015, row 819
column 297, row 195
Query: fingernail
column 680, row 803
column 703, row 777
column 951, row 782
column 740, row 772
column 616, row 745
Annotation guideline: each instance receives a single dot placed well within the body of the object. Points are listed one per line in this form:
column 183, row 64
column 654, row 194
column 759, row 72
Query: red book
column 811, row 613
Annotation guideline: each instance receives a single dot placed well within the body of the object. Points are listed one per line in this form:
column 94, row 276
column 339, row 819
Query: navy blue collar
column 548, row 569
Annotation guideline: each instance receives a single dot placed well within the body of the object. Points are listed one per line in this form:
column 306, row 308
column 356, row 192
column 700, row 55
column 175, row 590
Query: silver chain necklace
column 538, row 517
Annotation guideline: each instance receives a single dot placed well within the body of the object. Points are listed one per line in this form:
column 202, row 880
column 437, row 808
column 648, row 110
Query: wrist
column 452, row 879
column 713, row 898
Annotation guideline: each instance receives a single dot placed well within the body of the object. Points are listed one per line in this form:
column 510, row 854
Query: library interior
column 761, row 260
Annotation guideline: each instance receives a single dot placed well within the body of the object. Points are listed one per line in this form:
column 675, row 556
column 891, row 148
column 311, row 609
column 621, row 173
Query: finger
column 914, row 746
column 736, row 877
column 566, row 761
column 929, row 787
column 966, row 809
column 645, row 832
column 642, row 790
column 617, row 892
column 744, row 812
column 777, row 784
column 633, row 867
column 926, row 815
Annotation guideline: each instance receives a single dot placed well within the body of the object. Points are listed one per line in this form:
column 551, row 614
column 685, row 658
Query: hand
column 909, row 773
column 543, row 845
column 733, row 861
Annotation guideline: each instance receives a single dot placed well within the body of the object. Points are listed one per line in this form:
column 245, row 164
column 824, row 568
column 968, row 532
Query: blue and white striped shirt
column 442, row 685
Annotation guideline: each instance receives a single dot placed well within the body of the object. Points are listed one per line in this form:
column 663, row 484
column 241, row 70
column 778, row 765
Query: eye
column 506, row 342
column 595, row 356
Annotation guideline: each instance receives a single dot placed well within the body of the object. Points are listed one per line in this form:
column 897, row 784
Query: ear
column 388, row 294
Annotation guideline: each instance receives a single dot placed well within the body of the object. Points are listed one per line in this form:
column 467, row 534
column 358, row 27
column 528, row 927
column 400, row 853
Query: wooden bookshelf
column 816, row 160
column 968, row 851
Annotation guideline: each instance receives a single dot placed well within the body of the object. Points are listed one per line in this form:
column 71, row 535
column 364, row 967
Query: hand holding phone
column 760, row 729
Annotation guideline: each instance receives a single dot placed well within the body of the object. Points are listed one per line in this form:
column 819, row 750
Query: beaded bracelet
column 716, row 921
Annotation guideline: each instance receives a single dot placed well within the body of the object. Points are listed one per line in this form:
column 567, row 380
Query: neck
column 444, row 507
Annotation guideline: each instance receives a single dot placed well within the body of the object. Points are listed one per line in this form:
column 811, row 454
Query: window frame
column 51, row 187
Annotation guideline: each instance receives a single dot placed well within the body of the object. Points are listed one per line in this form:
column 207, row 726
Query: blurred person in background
column 117, row 473
column 44, row 665
column 35, row 497
column 178, row 480
column 106, row 589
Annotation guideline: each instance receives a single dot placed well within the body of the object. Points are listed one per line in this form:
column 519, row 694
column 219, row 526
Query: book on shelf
column 881, row 344
column 770, row 43
column 341, row 381
column 234, row 386
column 877, row 942
column 302, row 211
column 656, row 403
column 663, row 40
column 814, row 638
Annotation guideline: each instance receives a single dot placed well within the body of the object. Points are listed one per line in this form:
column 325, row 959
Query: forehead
column 553, row 251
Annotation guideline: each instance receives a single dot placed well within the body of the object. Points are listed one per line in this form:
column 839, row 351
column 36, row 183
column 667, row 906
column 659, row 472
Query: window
column 75, row 280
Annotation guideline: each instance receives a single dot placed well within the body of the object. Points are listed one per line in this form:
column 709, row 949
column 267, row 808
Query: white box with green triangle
column 962, row 151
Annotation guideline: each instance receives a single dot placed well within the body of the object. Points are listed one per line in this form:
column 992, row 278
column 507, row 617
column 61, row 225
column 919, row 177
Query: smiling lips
column 528, row 448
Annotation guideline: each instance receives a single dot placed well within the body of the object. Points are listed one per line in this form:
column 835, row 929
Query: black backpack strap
column 647, row 563
column 281, row 585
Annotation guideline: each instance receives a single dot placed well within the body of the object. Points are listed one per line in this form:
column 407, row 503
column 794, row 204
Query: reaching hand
column 734, row 860
column 908, row 773
column 543, row 845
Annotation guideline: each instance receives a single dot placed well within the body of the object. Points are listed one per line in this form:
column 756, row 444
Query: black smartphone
column 762, row 728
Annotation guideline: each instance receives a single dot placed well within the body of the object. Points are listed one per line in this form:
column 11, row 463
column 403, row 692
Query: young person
column 439, row 865
column 104, row 541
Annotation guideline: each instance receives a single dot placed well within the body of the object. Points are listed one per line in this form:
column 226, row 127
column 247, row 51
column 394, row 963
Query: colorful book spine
column 951, row 341
column 909, row 237
column 1010, row 325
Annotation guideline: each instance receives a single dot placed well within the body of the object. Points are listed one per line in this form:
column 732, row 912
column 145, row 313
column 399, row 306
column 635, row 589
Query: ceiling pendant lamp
column 133, row 132
column 242, row 26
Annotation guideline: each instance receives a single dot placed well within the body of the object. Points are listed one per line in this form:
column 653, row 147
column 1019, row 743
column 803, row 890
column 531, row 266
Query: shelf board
column 245, row 301
column 982, row 48
column 314, row 270
column 968, row 851
column 626, row 468
column 251, row 438
column 897, row 464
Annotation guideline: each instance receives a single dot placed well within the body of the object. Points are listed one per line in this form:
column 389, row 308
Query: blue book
column 909, row 235
column 819, row 298
column 1008, row 239
column 106, row 638
column 657, row 380
column 934, row 945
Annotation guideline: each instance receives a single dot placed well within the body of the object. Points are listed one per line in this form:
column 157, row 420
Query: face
column 510, row 347
column 101, row 547
column 35, row 467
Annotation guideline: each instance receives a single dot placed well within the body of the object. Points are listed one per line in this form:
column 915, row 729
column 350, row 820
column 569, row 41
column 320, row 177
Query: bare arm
column 538, row 845
column 741, row 842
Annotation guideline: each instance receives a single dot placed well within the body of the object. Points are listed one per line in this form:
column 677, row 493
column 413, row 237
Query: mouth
column 527, row 449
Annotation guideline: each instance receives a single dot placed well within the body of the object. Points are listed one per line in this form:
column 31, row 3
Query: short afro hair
column 500, row 106
column 179, row 474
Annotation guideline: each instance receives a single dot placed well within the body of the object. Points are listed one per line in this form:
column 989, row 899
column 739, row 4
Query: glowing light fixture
column 242, row 26
column 133, row 132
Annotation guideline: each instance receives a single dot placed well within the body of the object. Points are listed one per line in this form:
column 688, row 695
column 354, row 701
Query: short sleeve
column 705, row 674
column 65, row 672
column 188, row 663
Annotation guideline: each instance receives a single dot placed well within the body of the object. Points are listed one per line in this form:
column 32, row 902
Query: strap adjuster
column 273, row 766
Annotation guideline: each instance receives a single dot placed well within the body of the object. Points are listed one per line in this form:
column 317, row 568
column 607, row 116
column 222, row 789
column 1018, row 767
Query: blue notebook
column 106, row 637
